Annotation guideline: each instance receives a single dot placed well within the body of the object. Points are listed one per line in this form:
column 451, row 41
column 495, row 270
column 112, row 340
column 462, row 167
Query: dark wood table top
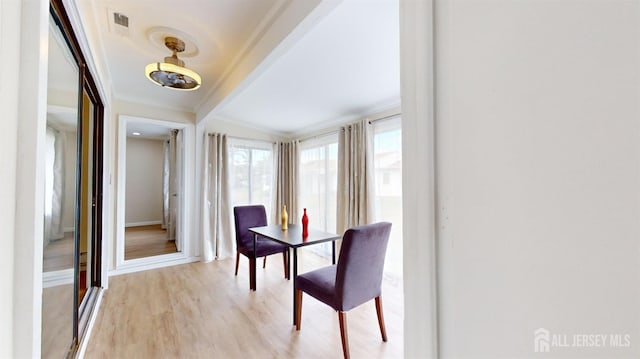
column 292, row 237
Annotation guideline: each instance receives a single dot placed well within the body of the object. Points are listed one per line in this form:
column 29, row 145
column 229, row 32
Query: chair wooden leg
column 237, row 261
column 298, row 308
column 383, row 331
column 252, row 273
column 264, row 262
column 342, row 316
column 285, row 262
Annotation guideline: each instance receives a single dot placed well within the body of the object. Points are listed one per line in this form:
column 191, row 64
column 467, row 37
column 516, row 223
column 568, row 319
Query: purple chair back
column 360, row 265
column 246, row 217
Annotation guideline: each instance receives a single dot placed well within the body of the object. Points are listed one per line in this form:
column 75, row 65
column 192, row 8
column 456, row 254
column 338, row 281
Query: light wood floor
column 58, row 254
column 146, row 241
column 57, row 320
column 142, row 241
column 202, row 310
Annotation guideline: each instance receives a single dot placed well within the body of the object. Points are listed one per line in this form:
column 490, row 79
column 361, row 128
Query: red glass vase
column 305, row 224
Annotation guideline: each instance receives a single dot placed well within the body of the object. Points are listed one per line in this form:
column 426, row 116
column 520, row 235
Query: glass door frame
column 86, row 85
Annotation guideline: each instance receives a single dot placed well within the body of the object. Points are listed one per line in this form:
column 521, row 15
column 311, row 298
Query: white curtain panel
column 57, row 229
column 178, row 188
column 165, row 185
column 171, row 192
column 218, row 242
column 286, row 180
column 54, row 185
column 355, row 176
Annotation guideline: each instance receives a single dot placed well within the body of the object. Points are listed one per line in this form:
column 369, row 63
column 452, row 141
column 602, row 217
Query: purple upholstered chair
column 255, row 216
column 356, row 279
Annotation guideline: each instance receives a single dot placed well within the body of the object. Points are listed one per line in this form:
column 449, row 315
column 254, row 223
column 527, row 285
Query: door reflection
column 87, row 198
column 73, row 192
column 60, row 175
column 154, row 156
column 61, row 140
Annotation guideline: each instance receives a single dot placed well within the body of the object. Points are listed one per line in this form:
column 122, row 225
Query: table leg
column 252, row 265
column 333, row 252
column 295, row 274
column 288, row 264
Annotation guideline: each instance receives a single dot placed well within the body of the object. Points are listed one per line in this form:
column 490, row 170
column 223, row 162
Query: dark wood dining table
column 292, row 237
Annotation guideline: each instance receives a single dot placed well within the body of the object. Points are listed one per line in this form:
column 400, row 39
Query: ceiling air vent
column 120, row 19
column 118, row 23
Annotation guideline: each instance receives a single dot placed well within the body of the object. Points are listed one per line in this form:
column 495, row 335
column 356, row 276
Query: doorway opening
column 154, row 191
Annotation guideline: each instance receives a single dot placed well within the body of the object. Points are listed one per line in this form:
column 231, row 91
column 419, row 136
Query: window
column 250, row 172
column 386, row 178
column 318, row 184
column 387, row 145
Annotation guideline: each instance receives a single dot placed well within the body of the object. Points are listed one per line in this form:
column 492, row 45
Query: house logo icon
column 541, row 342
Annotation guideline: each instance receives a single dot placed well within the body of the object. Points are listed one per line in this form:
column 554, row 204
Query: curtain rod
column 318, row 135
column 385, row 118
column 249, row 139
column 324, row 134
column 338, row 130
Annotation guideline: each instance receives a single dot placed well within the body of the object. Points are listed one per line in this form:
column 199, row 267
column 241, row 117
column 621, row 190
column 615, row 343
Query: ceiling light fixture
column 171, row 73
column 136, row 133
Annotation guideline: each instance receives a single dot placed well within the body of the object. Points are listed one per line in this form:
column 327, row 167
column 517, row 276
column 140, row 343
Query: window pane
column 311, row 183
column 331, row 187
column 261, row 168
column 250, row 173
column 239, row 174
column 318, row 184
column 388, row 184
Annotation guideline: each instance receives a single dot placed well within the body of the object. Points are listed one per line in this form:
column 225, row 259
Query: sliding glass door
column 73, row 192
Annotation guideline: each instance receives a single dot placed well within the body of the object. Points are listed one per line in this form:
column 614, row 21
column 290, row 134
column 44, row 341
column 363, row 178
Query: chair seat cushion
column 264, row 247
column 319, row 284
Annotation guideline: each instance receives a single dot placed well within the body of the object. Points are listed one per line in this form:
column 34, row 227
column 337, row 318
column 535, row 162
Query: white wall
column 9, row 37
column 418, row 180
column 23, row 34
column 145, row 163
column 538, row 176
column 121, row 107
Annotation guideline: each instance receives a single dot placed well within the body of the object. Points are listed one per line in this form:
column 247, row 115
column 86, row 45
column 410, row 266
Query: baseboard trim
column 56, row 278
column 142, row 264
column 143, row 223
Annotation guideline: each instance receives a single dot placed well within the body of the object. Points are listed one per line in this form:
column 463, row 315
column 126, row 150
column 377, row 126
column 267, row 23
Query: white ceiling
column 218, row 27
column 344, row 65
